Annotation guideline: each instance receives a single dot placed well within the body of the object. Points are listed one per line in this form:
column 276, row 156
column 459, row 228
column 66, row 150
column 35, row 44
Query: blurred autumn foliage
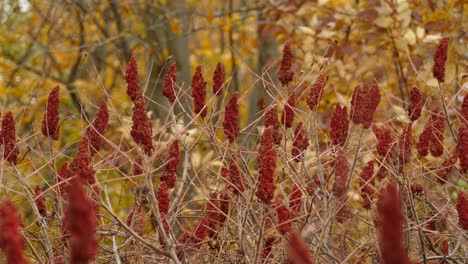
column 237, row 131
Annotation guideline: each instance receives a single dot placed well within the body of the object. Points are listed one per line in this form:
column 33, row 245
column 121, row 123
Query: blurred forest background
column 85, row 45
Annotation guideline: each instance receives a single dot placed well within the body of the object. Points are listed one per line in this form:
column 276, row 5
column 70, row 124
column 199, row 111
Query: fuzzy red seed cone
column 82, row 225
column 11, row 240
column 131, row 76
column 169, row 88
column 464, row 110
column 81, row 165
column 341, row 174
column 287, row 118
column 390, row 221
column 50, row 127
column 295, row 200
column 267, row 247
column 316, row 92
column 231, row 115
column 432, row 137
column 199, row 93
column 284, row 217
column 384, row 139
column 405, row 144
column 267, row 166
column 224, row 202
column 213, row 215
column 298, row 251
column 285, row 75
column 462, row 209
column 138, row 166
column 422, row 146
column 339, row 124
column 136, row 220
column 364, row 103
column 300, row 143
column 436, row 147
column 163, row 199
column 141, row 129
column 462, row 147
column 62, row 175
column 415, row 104
column 172, row 163
column 236, row 177
column 271, row 120
column 95, row 132
column 218, row 79
column 444, row 173
column 416, row 189
column 344, row 215
column 39, row 200
column 8, row 138
column 440, row 58
column 166, row 229
column 367, row 183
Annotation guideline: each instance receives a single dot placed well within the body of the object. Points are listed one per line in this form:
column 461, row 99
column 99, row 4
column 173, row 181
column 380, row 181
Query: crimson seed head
column 295, row 199
column 367, row 183
column 284, row 217
column 267, row 247
column 163, row 199
column 62, row 175
column 288, row 112
column 462, row 209
column 230, row 123
column 436, row 147
column 95, row 132
column 138, row 166
column 364, row 103
column 218, row 79
column 316, row 92
column 446, row 170
column 82, row 225
column 267, row 165
column 136, row 220
column 224, row 207
column 339, row 125
column 300, row 143
column 8, row 138
column 384, row 139
column 416, row 189
column 236, row 177
column 81, row 165
column 172, row 163
column 341, row 174
column 464, row 110
column 39, row 200
column 432, row 137
column 271, row 120
column 298, row 250
column 415, row 104
column 11, row 240
column 199, row 92
column 390, row 223
column 141, row 129
column 440, row 57
column 168, row 89
column 212, row 215
column 462, row 147
column 50, row 127
column 131, row 76
column 285, row 75
column 405, row 143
